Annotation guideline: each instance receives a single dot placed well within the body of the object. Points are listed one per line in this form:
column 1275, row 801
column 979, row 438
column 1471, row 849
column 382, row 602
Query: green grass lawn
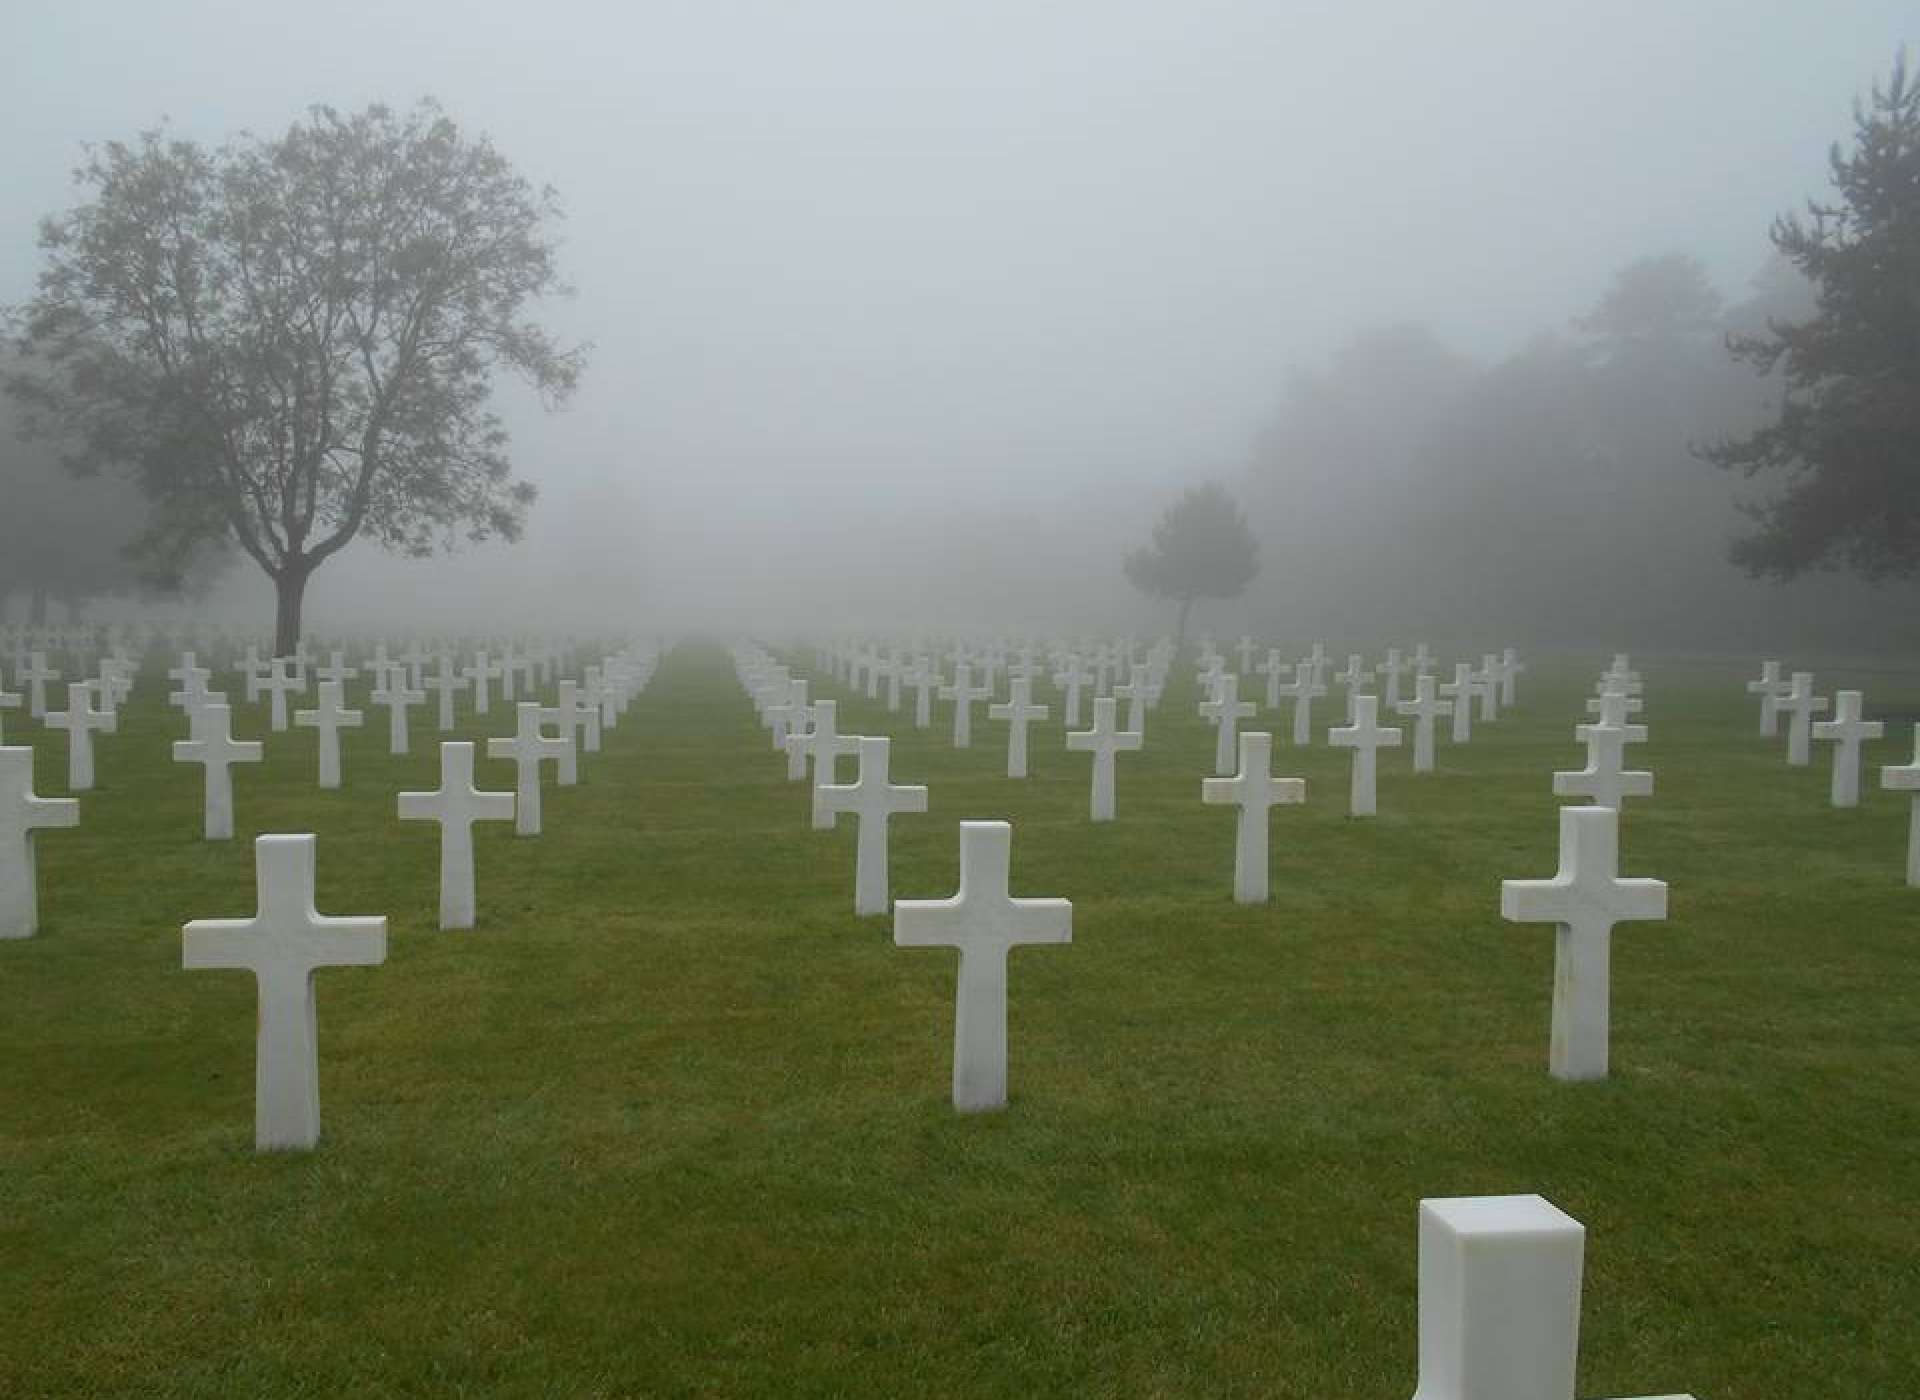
column 672, row 1121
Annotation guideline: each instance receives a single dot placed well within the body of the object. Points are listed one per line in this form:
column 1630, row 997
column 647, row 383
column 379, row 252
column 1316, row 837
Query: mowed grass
column 672, row 1121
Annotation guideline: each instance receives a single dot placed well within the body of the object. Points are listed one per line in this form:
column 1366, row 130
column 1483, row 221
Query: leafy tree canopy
column 1202, row 548
column 1847, row 432
column 291, row 342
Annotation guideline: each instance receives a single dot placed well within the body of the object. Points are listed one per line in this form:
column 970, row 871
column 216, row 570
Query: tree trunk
column 37, row 611
column 290, row 589
column 1180, row 628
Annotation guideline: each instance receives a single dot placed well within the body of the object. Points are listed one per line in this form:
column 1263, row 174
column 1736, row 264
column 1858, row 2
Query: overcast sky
column 837, row 255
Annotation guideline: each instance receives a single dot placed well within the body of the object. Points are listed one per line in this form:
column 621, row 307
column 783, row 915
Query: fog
column 916, row 314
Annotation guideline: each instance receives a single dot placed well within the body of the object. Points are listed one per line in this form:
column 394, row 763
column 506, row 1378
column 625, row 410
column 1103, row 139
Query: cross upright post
column 1906, row 778
column 1770, row 688
column 329, row 719
column 822, row 744
column 1846, row 731
column 984, row 923
column 1226, row 709
column 80, row 720
column 527, row 749
column 1800, row 705
column 963, row 693
column 1460, row 690
column 1423, row 709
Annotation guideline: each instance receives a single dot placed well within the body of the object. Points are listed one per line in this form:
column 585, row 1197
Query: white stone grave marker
column 1423, row 709
column 80, row 720
column 1846, row 731
column 283, row 944
column 1585, row 899
column 456, row 806
column 963, row 693
column 329, row 719
column 22, row 813
column 1901, row 778
column 1366, row 738
column 1800, row 705
column 984, row 923
column 872, row 798
column 214, row 747
column 1019, row 712
column 1103, row 741
column 1253, row 790
column 1225, row 710
column 528, row 748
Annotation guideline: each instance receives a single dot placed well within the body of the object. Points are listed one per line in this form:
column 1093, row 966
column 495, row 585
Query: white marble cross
column 283, row 944
column 8, row 701
column 80, row 720
column 963, row 693
column 1423, row 709
column 1800, row 705
column 279, row 682
column 391, row 690
column 528, row 748
column 1391, row 671
column 1253, row 790
column 1769, row 687
column 1906, row 778
column 1499, row 1299
column 1303, row 690
column 1225, row 711
column 984, row 923
column 821, row 745
column 920, row 678
column 445, row 682
column 1019, row 712
column 1103, row 741
column 872, row 798
column 337, row 670
column 1606, row 779
column 1071, row 678
column 481, row 674
column 1354, row 676
column 456, row 806
column 1273, row 668
column 1460, row 690
column 1585, row 898
column 787, row 714
column 1366, row 738
column 571, row 720
column 1510, row 668
column 1846, row 730
column 1486, row 682
column 214, row 747
column 21, row 814
column 1245, row 647
column 329, row 718
column 1139, row 691
column 35, row 675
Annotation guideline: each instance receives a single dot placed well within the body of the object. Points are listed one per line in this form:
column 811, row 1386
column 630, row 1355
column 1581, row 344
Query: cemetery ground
column 672, row 1121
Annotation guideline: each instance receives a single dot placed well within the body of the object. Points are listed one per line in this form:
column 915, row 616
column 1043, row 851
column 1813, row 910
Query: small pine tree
column 1201, row 548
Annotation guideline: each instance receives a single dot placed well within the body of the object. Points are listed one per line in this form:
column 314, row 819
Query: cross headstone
column 1366, row 738
column 22, row 813
column 963, row 693
column 1139, row 692
column 821, row 745
column 572, row 721
column 1510, row 668
column 456, row 806
column 528, row 749
column 1423, row 709
column 921, row 679
column 1103, row 741
column 1460, row 691
column 1499, row 1299
column 1253, row 790
column 35, row 675
column 1846, row 731
column 1606, row 779
column 80, row 720
column 1770, row 688
column 445, row 683
column 1226, row 710
column 1391, row 672
column 1906, row 778
column 872, row 798
column 214, row 747
column 1800, row 705
column 1303, row 690
column 391, row 690
column 329, row 718
column 481, row 674
column 1273, row 668
column 1585, row 898
column 8, row 701
column 280, row 682
column 1019, row 712
column 1071, row 678
column 984, row 923
column 283, row 944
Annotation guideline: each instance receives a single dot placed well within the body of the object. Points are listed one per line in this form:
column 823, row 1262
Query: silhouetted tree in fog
column 1201, row 548
column 1847, row 430
column 292, row 341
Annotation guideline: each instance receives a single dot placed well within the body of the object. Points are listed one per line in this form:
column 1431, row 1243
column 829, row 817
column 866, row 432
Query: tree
column 1847, row 428
column 291, row 342
column 1201, row 548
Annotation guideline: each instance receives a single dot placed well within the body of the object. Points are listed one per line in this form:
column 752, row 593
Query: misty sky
column 842, row 257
